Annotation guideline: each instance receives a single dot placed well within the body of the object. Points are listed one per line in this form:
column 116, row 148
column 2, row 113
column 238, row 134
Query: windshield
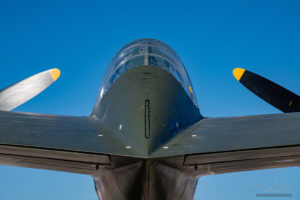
column 147, row 52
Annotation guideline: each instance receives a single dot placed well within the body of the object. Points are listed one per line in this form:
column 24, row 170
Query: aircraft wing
column 213, row 145
column 72, row 144
column 221, row 145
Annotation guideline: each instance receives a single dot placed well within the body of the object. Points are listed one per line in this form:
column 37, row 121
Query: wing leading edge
column 213, row 145
column 221, row 145
column 73, row 144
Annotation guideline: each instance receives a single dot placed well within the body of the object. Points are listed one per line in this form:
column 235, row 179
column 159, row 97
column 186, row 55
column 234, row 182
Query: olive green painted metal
column 147, row 180
column 121, row 110
column 244, row 160
column 146, row 138
column 117, row 127
column 224, row 134
column 75, row 134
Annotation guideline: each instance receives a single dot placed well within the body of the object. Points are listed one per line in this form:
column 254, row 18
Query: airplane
column 146, row 138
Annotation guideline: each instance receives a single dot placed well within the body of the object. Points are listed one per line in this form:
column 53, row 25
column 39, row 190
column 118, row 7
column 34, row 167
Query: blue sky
column 211, row 37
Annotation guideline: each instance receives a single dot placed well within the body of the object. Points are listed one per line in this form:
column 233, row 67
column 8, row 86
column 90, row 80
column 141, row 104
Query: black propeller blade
column 274, row 94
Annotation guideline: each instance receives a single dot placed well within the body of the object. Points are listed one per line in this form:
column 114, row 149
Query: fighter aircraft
column 145, row 138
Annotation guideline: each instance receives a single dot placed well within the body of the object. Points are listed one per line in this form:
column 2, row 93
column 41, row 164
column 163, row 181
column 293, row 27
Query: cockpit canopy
column 147, row 52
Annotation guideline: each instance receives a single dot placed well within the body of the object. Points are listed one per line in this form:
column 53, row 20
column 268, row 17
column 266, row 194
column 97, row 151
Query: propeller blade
column 20, row 92
column 274, row 94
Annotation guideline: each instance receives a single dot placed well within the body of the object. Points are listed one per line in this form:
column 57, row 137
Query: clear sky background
column 211, row 37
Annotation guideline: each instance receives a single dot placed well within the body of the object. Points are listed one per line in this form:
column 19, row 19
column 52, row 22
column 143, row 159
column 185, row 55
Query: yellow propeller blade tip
column 55, row 73
column 238, row 73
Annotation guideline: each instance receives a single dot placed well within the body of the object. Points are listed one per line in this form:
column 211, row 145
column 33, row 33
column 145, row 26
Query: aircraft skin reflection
column 146, row 138
column 143, row 93
column 147, row 91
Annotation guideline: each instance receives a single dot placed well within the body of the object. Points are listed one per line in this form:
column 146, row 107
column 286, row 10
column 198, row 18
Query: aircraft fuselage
column 145, row 99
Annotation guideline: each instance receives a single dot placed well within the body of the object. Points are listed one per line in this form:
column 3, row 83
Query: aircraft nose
column 147, row 53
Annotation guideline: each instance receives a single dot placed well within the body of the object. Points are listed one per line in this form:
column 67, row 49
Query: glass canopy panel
column 147, row 52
